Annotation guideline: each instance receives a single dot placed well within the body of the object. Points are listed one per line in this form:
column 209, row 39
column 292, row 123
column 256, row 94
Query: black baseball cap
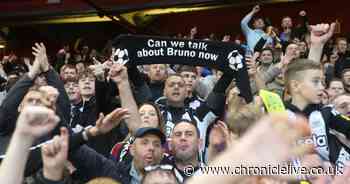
column 149, row 130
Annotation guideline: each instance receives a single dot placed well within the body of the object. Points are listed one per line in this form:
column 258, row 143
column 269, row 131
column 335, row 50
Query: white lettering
column 208, row 56
column 199, row 46
column 150, row 43
column 147, row 53
column 174, row 43
column 181, row 53
column 155, row 43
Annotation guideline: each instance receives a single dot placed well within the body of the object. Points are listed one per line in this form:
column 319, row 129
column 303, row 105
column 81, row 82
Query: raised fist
column 256, row 9
column 36, row 121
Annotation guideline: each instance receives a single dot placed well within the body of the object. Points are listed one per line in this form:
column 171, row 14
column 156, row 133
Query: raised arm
column 92, row 164
column 269, row 75
column 142, row 92
column 253, row 72
column 320, row 34
column 54, row 80
column 104, row 99
column 32, row 123
column 215, row 101
column 103, row 126
column 9, row 107
column 298, row 31
column 245, row 21
column 276, row 69
column 118, row 73
column 55, row 156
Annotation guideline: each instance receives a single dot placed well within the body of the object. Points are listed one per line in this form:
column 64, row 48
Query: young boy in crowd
column 304, row 82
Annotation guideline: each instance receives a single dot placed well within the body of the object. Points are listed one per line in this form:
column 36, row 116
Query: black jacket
column 9, row 107
column 40, row 179
column 204, row 114
column 107, row 100
column 180, row 174
column 156, row 90
column 86, row 114
column 9, row 114
column 91, row 165
column 342, row 63
column 332, row 121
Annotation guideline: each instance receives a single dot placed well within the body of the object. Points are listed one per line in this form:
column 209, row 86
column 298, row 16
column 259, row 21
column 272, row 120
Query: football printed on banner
column 235, row 60
column 121, row 56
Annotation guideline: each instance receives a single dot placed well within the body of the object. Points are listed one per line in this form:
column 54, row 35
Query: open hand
column 98, row 69
column 39, row 51
column 104, row 124
column 251, row 64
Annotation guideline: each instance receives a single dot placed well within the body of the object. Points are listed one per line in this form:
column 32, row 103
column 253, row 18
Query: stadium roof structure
column 131, row 14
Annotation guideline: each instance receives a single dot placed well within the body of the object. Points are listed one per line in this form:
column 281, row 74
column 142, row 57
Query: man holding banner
column 227, row 57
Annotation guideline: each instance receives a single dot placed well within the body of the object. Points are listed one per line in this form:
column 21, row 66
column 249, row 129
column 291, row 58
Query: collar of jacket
column 190, row 99
column 176, row 109
column 306, row 112
column 92, row 100
column 136, row 177
column 124, row 168
column 88, row 103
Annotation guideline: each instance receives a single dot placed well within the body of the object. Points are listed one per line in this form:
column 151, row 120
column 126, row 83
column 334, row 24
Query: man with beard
column 175, row 109
column 146, row 151
column 185, row 145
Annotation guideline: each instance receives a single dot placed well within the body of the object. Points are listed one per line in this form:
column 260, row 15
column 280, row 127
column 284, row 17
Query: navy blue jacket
column 91, row 164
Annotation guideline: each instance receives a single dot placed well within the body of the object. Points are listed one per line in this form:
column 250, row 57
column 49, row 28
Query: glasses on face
column 164, row 167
